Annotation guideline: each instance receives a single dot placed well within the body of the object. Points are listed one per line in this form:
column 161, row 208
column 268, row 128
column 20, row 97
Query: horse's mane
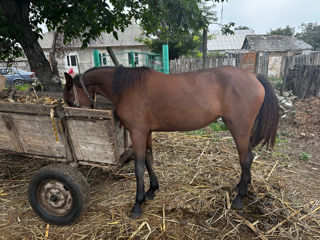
column 123, row 77
column 76, row 78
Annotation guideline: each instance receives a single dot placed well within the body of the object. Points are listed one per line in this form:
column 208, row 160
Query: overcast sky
column 263, row 15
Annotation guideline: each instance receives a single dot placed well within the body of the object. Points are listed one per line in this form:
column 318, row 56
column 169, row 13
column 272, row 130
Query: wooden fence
column 288, row 62
column 250, row 61
column 259, row 63
column 303, row 80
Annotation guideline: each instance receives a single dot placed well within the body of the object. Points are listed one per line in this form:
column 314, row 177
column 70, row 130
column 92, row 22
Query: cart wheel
column 59, row 194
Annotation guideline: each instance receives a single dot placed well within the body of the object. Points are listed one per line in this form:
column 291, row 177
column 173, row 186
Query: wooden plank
column 304, row 80
column 6, row 142
column 37, row 136
column 12, row 131
column 93, row 140
column 24, row 108
column 3, row 80
column 102, row 102
column 37, row 109
column 88, row 113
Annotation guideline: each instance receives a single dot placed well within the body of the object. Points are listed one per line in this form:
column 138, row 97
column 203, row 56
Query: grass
column 23, row 87
column 276, row 82
column 216, row 126
column 304, row 156
column 19, row 87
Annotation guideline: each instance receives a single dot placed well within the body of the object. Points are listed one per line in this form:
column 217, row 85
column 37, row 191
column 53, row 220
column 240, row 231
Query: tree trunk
column 53, row 61
column 113, row 57
column 204, row 47
column 17, row 13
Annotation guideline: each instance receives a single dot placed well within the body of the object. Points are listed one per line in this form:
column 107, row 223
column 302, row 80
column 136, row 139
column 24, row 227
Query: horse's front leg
column 152, row 175
column 139, row 146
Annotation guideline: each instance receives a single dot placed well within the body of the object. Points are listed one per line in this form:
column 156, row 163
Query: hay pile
column 197, row 175
column 30, row 97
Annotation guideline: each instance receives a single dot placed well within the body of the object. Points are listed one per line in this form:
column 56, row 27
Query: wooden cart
column 59, row 193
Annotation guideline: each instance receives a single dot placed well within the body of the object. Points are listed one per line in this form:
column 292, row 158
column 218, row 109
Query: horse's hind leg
column 244, row 180
column 152, row 175
column 139, row 139
column 241, row 135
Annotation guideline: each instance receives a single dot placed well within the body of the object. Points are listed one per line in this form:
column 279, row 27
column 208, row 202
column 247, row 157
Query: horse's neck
column 104, row 88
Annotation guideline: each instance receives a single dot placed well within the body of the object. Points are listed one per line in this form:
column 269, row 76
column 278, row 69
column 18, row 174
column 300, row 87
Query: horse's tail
column 265, row 128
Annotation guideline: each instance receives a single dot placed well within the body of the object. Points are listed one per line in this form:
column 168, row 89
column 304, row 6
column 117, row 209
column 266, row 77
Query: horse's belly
column 190, row 119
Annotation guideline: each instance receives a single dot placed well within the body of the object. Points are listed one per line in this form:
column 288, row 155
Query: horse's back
column 191, row 100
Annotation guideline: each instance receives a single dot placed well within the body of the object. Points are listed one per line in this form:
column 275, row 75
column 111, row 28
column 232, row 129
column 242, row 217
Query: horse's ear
column 69, row 80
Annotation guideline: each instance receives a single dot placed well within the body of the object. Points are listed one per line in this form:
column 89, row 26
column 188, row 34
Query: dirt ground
column 197, row 176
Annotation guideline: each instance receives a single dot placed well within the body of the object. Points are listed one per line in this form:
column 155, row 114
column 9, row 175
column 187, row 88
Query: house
column 126, row 49
column 275, row 47
column 231, row 43
column 276, row 44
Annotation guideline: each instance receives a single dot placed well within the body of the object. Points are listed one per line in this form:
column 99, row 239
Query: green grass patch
column 218, row 126
column 210, row 129
column 276, row 82
column 23, row 87
column 304, row 156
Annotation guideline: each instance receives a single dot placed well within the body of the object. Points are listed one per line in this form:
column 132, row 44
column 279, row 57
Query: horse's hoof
column 150, row 195
column 135, row 215
column 237, row 204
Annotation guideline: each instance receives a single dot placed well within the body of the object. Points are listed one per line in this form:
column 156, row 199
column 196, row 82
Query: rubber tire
column 73, row 180
column 18, row 82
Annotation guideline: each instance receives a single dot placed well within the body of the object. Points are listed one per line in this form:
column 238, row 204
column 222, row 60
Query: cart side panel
column 93, row 140
column 8, row 140
column 119, row 133
column 37, row 136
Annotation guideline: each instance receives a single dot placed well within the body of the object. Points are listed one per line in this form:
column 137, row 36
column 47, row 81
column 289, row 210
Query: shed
column 275, row 43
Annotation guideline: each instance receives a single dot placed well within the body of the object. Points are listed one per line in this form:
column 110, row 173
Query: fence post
column 165, row 54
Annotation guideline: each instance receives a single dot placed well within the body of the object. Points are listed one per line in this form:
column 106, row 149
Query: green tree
column 311, row 34
column 177, row 25
column 79, row 19
column 287, row 31
column 82, row 19
column 180, row 25
column 207, row 16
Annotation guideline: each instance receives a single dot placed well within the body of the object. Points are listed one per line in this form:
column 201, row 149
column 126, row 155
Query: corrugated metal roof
column 126, row 38
column 274, row 43
column 228, row 42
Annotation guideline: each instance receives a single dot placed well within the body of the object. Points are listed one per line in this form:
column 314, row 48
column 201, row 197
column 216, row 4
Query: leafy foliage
column 287, row 31
column 178, row 25
column 311, row 34
column 9, row 49
column 20, row 22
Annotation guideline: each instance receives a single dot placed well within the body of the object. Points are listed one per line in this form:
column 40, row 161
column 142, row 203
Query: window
column 71, row 60
column 136, row 59
column 103, row 59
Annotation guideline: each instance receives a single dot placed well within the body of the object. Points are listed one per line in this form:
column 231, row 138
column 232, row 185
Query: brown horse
column 148, row 101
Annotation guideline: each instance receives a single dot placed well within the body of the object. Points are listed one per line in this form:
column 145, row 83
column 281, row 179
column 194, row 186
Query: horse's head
column 75, row 93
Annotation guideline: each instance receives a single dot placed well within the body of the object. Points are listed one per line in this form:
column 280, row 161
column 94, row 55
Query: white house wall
column 86, row 61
